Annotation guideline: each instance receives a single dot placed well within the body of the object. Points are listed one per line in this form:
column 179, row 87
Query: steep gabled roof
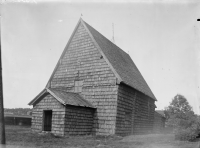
column 121, row 63
column 65, row 98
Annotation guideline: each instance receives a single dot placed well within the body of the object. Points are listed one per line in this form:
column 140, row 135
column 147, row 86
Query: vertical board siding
column 79, row 120
column 83, row 61
column 58, row 115
column 135, row 112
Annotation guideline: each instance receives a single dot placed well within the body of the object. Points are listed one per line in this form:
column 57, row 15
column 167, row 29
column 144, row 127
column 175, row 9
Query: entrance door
column 47, row 120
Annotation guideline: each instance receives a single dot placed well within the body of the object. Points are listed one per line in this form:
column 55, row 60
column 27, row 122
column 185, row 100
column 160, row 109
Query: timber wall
column 83, row 61
column 79, row 120
column 58, row 115
column 17, row 120
column 159, row 123
column 135, row 112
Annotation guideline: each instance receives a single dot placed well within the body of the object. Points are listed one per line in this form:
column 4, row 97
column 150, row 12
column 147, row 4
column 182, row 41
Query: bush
column 189, row 130
column 185, row 135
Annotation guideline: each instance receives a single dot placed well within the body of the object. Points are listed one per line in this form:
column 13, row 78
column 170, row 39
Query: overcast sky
column 162, row 39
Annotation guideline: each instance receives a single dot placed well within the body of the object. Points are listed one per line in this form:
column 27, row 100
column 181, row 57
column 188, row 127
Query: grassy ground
column 22, row 137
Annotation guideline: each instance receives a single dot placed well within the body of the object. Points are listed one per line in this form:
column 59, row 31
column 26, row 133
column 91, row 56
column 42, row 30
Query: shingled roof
column 66, row 98
column 71, row 98
column 121, row 63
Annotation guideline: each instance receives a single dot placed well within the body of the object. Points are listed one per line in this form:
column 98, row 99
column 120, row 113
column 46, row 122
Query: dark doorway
column 47, row 120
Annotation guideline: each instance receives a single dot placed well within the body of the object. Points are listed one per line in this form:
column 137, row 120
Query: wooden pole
column 197, row 72
column 2, row 123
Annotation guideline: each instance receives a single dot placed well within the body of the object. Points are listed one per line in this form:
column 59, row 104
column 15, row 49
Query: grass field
column 22, row 137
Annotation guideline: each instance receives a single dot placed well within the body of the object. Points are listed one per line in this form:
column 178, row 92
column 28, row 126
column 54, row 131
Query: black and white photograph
column 100, row 74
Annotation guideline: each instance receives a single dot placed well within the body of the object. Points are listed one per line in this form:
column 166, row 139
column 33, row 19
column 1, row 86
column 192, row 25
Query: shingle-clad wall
column 79, row 120
column 58, row 115
column 125, row 110
column 83, row 61
column 135, row 112
column 144, row 114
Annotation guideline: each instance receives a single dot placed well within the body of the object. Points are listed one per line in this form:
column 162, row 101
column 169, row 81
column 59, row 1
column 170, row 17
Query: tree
column 179, row 109
column 180, row 116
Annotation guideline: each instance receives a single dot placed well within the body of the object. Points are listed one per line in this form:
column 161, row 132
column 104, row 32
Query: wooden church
column 95, row 88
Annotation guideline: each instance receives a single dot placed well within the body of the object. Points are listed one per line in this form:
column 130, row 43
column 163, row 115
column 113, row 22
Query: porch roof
column 66, row 98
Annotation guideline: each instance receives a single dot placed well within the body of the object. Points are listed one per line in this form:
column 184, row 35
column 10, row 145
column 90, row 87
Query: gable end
column 81, row 22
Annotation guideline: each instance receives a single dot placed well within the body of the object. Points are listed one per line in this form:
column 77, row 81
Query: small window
column 78, row 86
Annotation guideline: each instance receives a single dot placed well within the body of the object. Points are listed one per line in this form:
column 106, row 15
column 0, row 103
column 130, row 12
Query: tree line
column 17, row 111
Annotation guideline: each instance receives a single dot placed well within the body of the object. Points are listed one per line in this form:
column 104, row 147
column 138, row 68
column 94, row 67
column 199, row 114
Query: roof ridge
column 107, row 39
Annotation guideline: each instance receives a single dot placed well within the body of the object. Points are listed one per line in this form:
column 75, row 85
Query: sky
column 162, row 38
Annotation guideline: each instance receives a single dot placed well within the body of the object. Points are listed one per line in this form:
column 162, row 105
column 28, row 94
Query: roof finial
column 81, row 15
column 113, row 39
